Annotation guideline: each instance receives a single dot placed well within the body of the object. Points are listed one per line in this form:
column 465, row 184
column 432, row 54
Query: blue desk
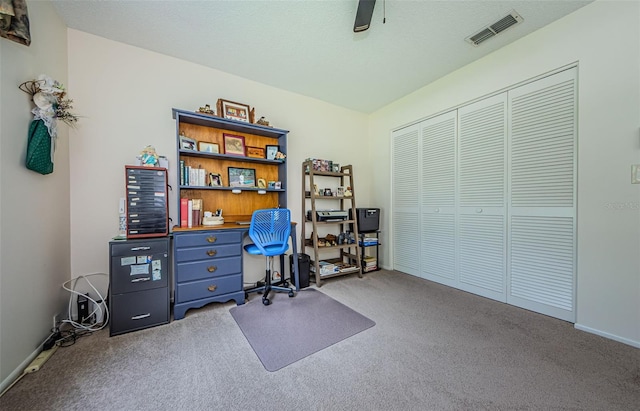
column 208, row 265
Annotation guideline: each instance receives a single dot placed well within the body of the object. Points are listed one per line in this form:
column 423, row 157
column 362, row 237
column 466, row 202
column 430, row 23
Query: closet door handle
column 211, row 239
column 211, row 253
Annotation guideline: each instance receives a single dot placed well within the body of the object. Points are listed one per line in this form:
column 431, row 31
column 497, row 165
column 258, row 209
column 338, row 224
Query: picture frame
column 242, row 177
column 187, row 143
column 208, row 147
column 255, row 152
column 272, row 151
column 234, row 111
column 262, row 183
column 278, row 185
column 234, row 145
column 215, row 180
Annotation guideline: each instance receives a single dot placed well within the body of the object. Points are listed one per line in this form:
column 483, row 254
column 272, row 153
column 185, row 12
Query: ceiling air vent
column 493, row 29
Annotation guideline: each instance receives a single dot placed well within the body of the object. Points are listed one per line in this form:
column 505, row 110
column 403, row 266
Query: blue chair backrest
column 271, row 227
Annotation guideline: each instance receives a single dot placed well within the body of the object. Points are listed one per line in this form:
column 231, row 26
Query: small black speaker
column 363, row 15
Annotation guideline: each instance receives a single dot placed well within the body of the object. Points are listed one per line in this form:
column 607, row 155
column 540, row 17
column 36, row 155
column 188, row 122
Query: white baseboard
column 607, row 335
column 18, row 371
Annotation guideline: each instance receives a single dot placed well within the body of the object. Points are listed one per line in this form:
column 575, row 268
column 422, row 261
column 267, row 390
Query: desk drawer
column 190, row 271
column 211, row 237
column 142, row 309
column 207, row 253
column 210, row 287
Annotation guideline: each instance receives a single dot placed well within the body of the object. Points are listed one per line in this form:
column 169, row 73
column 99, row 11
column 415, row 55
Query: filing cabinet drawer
column 139, row 247
column 153, row 273
column 207, row 253
column 208, row 288
column 190, row 271
column 212, row 237
column 142, row 309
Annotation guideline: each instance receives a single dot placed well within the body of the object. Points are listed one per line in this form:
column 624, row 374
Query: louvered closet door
column 405, row 185
column 542, row 201
column 482, row 129
column 438, row 198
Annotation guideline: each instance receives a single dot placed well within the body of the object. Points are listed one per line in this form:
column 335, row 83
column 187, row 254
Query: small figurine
column 280, row 156
column 206, row 110
column 347, row 192
column 149, row 157
column 263, row 121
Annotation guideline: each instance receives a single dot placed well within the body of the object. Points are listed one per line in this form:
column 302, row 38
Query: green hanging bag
column 39, row 148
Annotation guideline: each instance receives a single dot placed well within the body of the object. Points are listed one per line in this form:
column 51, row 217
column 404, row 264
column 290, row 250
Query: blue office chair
column 269, row 231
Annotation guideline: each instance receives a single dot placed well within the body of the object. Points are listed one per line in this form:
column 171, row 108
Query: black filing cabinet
column 138, row 284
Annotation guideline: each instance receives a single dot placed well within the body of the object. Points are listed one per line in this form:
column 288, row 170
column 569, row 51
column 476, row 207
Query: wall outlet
column 635, row 174
column 121, row 206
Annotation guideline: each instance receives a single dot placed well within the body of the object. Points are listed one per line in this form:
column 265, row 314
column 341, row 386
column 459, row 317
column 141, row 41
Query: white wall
column 34, row 209
column 604, row 38
column 126, row 95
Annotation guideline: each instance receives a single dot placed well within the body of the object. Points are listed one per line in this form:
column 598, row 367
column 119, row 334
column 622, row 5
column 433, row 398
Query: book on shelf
column 184, row 204
column 196, row 210
column 189, row 213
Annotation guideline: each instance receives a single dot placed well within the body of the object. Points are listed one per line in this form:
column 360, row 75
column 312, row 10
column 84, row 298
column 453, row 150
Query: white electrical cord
column 99, row 307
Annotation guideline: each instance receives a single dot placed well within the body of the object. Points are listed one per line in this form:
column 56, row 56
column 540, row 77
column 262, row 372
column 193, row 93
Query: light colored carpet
column 432, row 348
column 290, row 329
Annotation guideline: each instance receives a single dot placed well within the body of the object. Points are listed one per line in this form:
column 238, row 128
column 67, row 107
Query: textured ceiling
column 309, row 47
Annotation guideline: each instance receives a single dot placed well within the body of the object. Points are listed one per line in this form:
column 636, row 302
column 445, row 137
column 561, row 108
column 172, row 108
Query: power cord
column 100, row 310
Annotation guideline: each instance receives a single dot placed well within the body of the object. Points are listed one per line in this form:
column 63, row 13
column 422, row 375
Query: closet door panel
column 542, row 199
column 405, row 183
column 482, row 128
column 438, row 198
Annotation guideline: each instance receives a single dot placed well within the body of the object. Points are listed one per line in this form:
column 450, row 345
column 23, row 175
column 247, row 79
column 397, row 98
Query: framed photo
column 242, row 177
column 187, row 143
column 234, row 111
column 215, row 180
column 271, row 184
column 255, row 152
column 272, row 151
column 278, row 185
column 208, row 147
column 335, row 167
column 234, row 145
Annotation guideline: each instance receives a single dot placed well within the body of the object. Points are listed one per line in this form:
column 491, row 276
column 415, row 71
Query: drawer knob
column 212, row 268
column 211, row 239
column 212, row 288
column 211, row 253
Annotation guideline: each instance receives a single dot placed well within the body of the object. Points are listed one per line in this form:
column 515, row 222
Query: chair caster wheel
column 291, row 294
column 246, row 296
column 266, row 301
column 285, row 284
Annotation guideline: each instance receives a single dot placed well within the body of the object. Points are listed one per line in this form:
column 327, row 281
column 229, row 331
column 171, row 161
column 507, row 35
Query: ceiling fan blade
column 363, row 15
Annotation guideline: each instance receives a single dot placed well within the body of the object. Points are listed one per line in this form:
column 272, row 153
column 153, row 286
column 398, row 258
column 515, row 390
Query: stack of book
column 191, row 176
column 370, row 264
column 190, row 212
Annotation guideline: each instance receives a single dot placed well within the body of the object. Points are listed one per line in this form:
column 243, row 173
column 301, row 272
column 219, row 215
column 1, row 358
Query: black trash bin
column 304, row 267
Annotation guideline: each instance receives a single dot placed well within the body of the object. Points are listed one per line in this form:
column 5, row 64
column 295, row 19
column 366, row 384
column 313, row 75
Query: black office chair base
column 266, row 290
